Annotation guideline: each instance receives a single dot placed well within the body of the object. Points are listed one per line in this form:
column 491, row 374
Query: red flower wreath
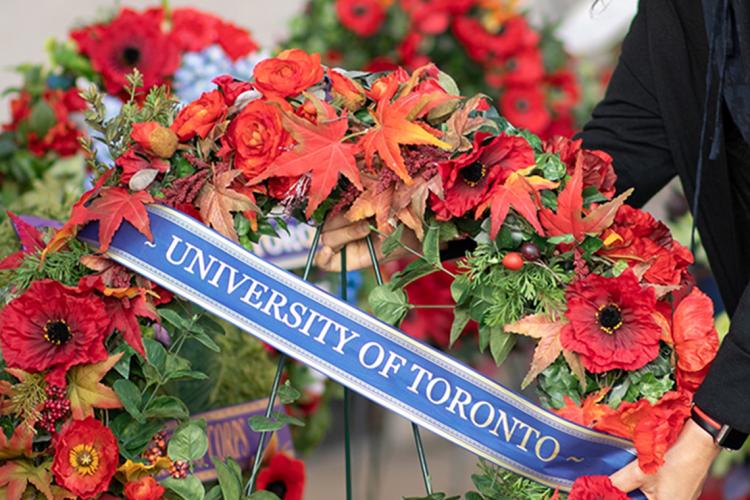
column 53, row 327
column 363, row 17
column 611, row 323
column 284, row 476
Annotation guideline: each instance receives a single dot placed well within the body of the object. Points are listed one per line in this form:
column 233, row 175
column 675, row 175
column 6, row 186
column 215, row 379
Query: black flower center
column 278, row 488
column 609, row 318
column 57, row 332
column 474, row 173
column 511, row 65
column 359, row 10
column 131, row 56
column 522, row 105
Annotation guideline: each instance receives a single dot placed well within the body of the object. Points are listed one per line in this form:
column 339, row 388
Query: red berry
column 530, row 251
column 513, row 261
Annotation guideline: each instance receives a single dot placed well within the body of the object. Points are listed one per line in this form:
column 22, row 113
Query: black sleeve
column 628, row 125
column 725, row 393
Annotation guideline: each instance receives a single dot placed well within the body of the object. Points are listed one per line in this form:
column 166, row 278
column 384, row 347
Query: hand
column 684, row 471
column 339, row 232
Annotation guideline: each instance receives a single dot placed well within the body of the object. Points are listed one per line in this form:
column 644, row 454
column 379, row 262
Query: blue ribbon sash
column 361, row 352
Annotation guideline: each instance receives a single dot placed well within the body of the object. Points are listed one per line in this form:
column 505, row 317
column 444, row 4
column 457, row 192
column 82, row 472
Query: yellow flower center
column 84, row 459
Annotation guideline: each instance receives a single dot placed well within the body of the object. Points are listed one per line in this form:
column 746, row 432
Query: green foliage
column 493, row 483
column 189, row 442
column 63, row 266
column 389, row 304
column 189, row 488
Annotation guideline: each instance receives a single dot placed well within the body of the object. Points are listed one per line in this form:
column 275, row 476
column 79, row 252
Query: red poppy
column 131, row 40
column 363, row 17
column 653, row 428
column 696, row 341
column 566, row 91
column 53, row 327
column 484, row 47
column 561, row 126
column 522, row 68
column 469, row 179
column 235, row 41
column 524, row 107
column 284, row 476
column 595, row 488
column 409, row 51
column 611, row 323
column 433, row 16
column 597, row 168
column 86, row 457
column 380, row 63
column 193, row 30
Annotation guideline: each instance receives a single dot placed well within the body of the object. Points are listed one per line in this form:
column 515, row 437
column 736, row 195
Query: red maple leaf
column 570, row 217
column 124, row 314
column 520, row 193
column 320, row 151
column 115, row 205
column 31, row 241
column 394, row 126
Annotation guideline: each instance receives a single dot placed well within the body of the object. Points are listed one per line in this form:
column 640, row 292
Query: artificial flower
column 201, row 116
column 469, row 179
column 145, row 488
column 653, row 428
column 53, row 327
column 155, row 138
column 284, row 476
column 288, row 74
column 231, row 88
column 598, row 171
column 611, row 322
column 524, row 107
column 20, row 110
column 346, row 91
column 256, row 137
column 363, row 17
column 523, row 68
column 696, row 341
column 433, row 16
column 135, row 160
column 595, row 488
column 193, row 30
column 409, row 51
column 235, row 41
column 86, row 457
column 130, row 40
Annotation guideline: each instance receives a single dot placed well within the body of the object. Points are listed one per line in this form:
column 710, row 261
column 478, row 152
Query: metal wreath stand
column 250, row 487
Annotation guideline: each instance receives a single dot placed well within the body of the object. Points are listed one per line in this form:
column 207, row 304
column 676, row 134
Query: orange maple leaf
column 217, row 201
column 320, row 151
column 570, row 218
column 394, row 126
column 590, row 410
column 85, row 390
column 115, row 205
column 547, row 332
column 520, row 193
column 19, row 443
column 17, row 474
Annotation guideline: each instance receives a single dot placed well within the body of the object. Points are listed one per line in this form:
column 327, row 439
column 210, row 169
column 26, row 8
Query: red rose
column 193, row 30
column 611, row 323
column 235, row 41
column 86, row 457
column 524, row 107
column 596, row 165
column 130, row 40
column 288, row 74
column 154, row 138
column 200, row 117
column 256, row 137
column 363, row 17
column 231, row 88
column 595, row 488
column 146, row 488
column 53, row 327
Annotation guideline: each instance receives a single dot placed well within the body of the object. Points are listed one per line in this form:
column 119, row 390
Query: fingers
column 357, row 257
column 336, row 222
column 629, row 478
column 336, row 238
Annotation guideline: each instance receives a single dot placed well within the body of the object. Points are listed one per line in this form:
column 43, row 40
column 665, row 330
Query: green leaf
column 501, row 344
column 460, row 319
column 389, row 305
column 214, row 493
column 205, row 340
column 189, row 488
column 173, row 318
column 460, row 288
column 166, row 407
column 619, row 267
column 434, row 496
column 417, row 269
column 41, row 119
column 229, row 480
column 565, row 238
column 288, row 394
column 552, row 166
column 473, row 495
column 591, row 195
column 131, row 398
column 431, row 245
column 263, row 495
column 393, row 241
column 189, row 442
column 591, row 244
column 210, row 325
column 261, row 423
column 123, row 365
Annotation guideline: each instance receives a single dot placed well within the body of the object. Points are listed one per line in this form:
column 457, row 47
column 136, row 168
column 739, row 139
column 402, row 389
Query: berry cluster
column 179, row 469
column 157, row 447
column 56, row 408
